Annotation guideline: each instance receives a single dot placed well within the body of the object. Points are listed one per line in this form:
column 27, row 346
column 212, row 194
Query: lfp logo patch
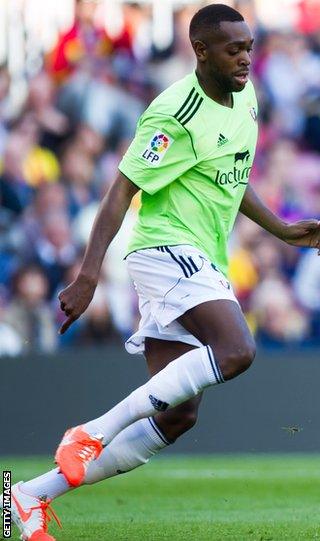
column 157, row 148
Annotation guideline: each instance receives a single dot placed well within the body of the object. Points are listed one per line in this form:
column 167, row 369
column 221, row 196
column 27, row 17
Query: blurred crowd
column 60, row 153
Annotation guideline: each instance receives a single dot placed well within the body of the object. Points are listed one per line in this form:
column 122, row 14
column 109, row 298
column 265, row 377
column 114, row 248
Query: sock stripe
column 220, row 373
column 158, row 431
column 215, row 367
column 214, row 370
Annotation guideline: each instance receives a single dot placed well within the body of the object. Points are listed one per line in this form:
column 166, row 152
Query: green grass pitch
column 241, row 498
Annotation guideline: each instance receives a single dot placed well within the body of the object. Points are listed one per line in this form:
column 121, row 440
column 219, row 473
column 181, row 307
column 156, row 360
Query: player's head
column 222, row 42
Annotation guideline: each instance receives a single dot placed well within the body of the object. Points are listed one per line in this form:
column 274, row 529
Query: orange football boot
column 31, row 514
column 75, row 452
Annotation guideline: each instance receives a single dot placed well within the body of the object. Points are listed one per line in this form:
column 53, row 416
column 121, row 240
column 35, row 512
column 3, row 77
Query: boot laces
column 45, row 517
column 89, row 450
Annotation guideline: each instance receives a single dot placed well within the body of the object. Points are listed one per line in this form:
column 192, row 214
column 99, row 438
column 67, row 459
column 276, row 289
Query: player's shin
column 50, row 484
column 133, row 447
column 183, row 378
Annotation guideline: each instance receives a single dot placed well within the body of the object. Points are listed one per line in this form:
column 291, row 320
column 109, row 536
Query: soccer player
column 191, row 158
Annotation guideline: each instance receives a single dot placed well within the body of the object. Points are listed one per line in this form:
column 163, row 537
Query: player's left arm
column 302, row 233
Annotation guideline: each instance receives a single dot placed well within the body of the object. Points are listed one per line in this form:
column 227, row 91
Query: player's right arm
column 160, row 152
column 75, row 299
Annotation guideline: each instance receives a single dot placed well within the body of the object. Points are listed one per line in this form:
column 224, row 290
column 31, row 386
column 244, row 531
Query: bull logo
column 240, row 172
column 242, row 156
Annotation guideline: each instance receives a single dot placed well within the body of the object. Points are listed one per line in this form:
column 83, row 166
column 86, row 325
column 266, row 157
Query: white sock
column 180, row 380
column 51, row 484
column 134, row 446
column 183, row 378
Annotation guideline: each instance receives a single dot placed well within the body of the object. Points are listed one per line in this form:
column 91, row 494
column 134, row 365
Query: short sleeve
column 161, row 151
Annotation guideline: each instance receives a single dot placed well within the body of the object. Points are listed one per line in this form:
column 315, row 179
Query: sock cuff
column 216, row 374
column 155, row 433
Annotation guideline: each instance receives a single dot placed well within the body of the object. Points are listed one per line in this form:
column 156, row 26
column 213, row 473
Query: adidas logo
column 158, row 404
column 222, row 140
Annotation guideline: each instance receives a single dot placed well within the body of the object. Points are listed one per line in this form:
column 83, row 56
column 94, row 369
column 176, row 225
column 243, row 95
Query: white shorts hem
column 169, row 282
column 138, row 347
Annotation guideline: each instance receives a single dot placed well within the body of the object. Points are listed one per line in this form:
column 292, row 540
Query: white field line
column 232, row 474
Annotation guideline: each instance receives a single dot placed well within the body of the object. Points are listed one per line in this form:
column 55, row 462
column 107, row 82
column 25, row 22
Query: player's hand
column 303, row 233
column 75, row 299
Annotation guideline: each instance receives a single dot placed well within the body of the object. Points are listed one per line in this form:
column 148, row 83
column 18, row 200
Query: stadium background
column 71, row 91
column 74, row 79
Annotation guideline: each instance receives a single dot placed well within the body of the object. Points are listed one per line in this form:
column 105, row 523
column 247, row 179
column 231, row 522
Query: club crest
column 253, row 113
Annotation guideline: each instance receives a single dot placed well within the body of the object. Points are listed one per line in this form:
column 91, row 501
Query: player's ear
column 201, row 50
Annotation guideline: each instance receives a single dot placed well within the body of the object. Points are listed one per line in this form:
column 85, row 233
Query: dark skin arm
column 75, row 298
column 302, row 233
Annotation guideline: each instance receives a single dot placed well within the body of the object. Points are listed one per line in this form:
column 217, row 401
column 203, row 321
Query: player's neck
column 214, row 90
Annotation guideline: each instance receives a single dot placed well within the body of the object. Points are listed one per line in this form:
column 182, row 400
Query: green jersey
column 192, row 158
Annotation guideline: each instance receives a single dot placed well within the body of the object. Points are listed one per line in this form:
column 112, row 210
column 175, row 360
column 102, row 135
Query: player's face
column 227, row 55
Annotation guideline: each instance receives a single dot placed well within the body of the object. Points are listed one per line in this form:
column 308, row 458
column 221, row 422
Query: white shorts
column 169, row 281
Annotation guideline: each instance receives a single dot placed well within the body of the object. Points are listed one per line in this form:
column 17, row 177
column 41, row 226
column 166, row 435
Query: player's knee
column 180, row 423
column 188, row 420
column 183, row 424
column 238, row 360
